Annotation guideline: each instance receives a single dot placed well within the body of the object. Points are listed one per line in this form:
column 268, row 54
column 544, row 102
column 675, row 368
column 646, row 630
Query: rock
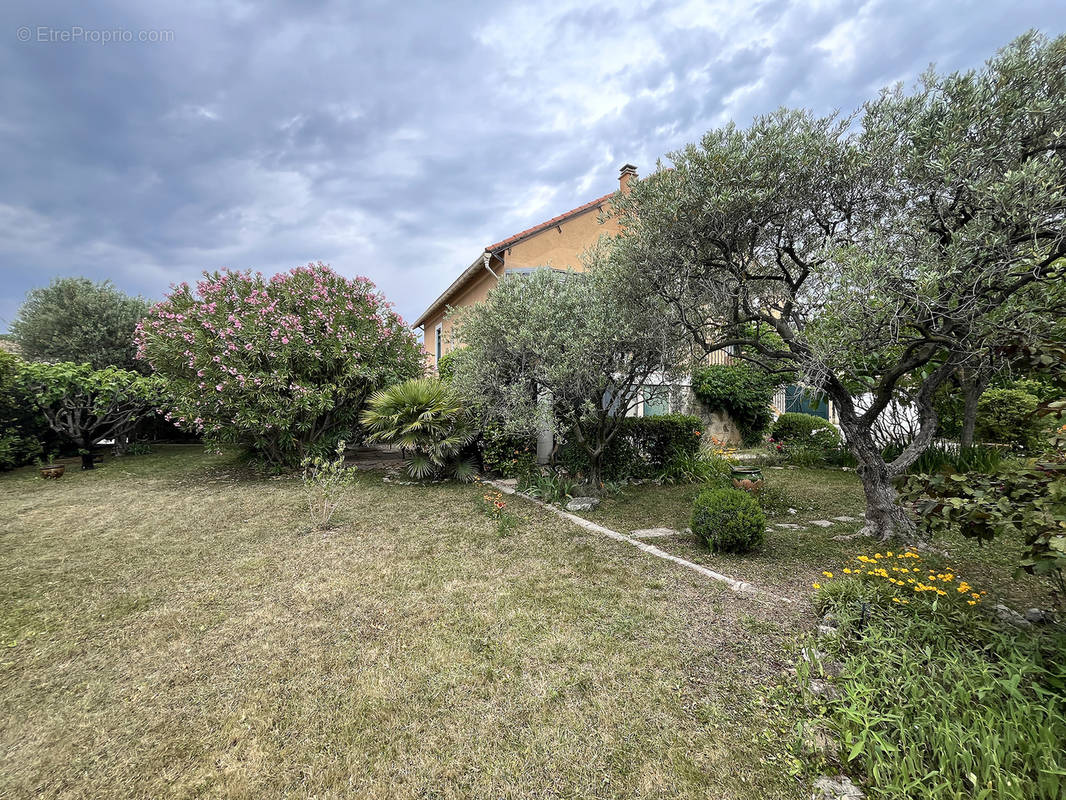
column 818, row 740
column 1010, row 616
column 844, row 518
column 827, row 630
column 831, row 620
column 510, row 483
column 824, row 690
column 1038, row 616
column 583, row 504
column 822, row 523
column 792, row 511
column 789, row 526
column 654, row 533
column 838, row 788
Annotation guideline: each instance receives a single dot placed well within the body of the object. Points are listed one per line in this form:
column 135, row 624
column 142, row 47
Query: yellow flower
column 816, row 585
column 971, row 602
column 847, row 571
column 828, row 574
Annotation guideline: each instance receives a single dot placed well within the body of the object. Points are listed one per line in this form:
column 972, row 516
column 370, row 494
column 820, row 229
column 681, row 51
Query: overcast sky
column 396, row 141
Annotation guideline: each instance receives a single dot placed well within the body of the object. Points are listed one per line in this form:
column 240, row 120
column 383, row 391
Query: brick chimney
column 626, row 174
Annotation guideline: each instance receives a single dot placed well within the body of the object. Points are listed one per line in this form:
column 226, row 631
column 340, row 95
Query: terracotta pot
column 52, row 470
column 747, row 485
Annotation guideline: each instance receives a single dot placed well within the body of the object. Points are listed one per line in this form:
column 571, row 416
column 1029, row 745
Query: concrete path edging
column 650, row 549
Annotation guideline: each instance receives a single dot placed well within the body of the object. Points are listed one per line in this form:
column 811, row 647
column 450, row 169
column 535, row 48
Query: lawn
column 173, row 627
column 793, row 559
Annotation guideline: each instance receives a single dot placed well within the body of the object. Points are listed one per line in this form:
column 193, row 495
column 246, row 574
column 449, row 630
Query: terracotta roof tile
column 599, row 201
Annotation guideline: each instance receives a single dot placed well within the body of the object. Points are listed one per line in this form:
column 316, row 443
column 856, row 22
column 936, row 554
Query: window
column 656, row 401
column 440, row 342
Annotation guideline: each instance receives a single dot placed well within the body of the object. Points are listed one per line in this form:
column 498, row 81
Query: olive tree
column 564, row 351
column 882, row 249
column 74, row 319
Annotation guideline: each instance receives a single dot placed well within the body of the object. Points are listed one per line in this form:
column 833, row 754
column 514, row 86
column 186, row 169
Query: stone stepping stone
column 822, row 523
column 655, row 533
column 789, row 526
column 846, row 518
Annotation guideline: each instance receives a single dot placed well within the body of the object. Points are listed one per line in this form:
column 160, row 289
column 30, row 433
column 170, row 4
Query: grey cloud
column 394, row 141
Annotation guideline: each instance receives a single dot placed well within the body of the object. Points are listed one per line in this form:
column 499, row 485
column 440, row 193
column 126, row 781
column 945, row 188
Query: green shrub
column 937, row 702
column 325, row 480
column 805, row 429
column 551, row 488
column 1007, row 416
column 703, row 467
column 511, row 455
column 643, row 447
column 425, row 417
column 729, row 520
column 449, row 362
column 743, row 391
column 24, row 432
column 280, row 366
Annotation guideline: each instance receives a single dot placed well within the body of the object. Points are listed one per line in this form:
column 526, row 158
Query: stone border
column 735, row 585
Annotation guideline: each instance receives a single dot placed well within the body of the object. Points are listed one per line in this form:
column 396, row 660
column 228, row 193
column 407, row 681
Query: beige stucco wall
column 559, row 246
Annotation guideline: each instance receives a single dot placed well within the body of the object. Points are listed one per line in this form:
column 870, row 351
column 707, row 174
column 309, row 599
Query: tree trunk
column 972, row 391
column 885, row 518
column 595, row 476
column 87, row 459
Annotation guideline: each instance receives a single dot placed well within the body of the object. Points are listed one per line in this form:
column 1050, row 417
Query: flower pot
column 747, row 478
column 52, row 471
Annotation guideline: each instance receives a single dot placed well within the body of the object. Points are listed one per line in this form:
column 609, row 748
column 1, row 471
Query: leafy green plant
column 644, row 447
column 325, row 480
column 704, row 466
column 743, row 391
column 429, row 421
column 935, row 701
column 1008, row 416
column 23, row 430
column 729, row 520
column 553, row 487
column 512, row 455
column 793, row 428
column 279, row 366
column 952, row 458
column 87, row 406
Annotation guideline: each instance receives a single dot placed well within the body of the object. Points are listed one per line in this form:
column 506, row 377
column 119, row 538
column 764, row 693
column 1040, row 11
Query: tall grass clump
column 937, row 700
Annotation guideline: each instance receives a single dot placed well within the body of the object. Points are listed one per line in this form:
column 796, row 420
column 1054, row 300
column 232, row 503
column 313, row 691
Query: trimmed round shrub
column 729, row 520
column 805, row 429
column 1008, row 416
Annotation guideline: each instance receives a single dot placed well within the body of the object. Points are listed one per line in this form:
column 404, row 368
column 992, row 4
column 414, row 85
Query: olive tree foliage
column 566, row 352
column 77, row 320
column 883, row 249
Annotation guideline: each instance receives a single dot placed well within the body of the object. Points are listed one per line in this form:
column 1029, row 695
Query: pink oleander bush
column 283, row 366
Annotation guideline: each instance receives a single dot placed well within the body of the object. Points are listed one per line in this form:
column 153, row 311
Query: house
column 556, row 243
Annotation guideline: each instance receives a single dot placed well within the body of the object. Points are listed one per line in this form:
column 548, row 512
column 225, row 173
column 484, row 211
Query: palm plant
column 429, row 421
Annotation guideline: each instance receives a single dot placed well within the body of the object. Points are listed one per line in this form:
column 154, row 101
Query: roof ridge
column 548, row 223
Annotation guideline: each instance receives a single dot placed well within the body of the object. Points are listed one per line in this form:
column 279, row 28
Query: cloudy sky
column 396, row 140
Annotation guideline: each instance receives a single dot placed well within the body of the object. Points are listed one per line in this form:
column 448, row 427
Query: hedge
column 642, row 448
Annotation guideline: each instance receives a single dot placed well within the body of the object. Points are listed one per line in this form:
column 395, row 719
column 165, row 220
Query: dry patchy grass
column 172, row 627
